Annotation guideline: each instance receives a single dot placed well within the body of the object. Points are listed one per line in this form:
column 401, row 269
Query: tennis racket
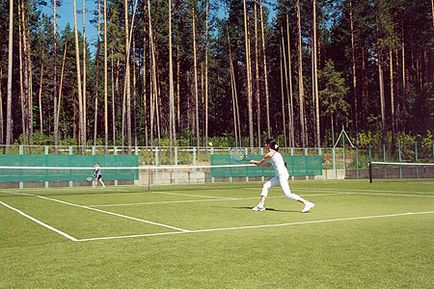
column 238, row 154
column 90, row 179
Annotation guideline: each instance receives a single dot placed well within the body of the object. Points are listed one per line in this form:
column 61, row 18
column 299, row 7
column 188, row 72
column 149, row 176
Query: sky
column 65, row 15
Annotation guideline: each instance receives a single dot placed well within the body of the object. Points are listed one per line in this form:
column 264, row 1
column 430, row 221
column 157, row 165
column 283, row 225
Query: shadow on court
column 267, row 209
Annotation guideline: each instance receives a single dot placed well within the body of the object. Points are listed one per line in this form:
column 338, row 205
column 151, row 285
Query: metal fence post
column 46, row 153
column 175, row 150
column 211, row 153
column 115, row 152
column 399, row 160
column 306, row 153
column 384, row 160
column 194, row 156
column 70, row 152
column 334, row 162
column 21, row 151
column 320, row 153
column 416, row 158
column 357, row 162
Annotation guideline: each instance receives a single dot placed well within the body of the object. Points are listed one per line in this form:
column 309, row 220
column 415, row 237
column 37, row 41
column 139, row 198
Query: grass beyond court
column 360, row 235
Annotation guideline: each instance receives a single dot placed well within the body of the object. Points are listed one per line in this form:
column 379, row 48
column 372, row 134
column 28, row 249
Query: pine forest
column 228, row 72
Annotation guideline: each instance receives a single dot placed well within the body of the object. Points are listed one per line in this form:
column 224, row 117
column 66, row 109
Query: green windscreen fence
column 297, row 166
column 68, row 167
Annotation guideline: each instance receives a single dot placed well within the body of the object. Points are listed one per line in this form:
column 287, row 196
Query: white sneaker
column 307, row 207
column 258, row 208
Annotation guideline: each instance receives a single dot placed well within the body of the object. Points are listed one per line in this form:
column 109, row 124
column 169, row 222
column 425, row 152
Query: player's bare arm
column 263, row 162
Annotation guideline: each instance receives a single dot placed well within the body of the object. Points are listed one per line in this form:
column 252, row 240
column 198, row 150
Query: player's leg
column 264, row 193
column 287, row 192
column 102, row 183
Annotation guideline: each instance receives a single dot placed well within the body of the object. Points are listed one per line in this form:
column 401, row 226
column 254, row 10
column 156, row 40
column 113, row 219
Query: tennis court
column 359, row 235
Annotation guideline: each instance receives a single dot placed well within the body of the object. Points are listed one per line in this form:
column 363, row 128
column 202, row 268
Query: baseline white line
column 165, row 202
column 39, row 222
column 18, row 194
column 355, row 190
column 261, row 226
column 189, row 195
column 115, row 214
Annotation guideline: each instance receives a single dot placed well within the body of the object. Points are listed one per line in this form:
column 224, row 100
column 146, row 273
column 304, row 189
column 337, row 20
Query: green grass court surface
column 360, row 235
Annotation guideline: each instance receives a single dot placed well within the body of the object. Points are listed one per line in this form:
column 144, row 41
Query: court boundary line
column 201, row 200
column 342, row 193
column 60, row 232
column 115, row 214
column 260, row 226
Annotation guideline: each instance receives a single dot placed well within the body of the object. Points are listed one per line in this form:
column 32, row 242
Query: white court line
column 18, row 194
column 189, row 195
column 201, row 201
column 355, row 190
column 115, row 214
column 40, row 222
column 262, row 226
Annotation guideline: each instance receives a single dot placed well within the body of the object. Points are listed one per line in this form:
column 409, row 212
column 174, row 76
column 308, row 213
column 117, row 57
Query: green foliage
column 333, row 92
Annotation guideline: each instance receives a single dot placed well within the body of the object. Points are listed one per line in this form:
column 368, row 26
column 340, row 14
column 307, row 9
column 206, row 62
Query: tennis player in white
column 274, row 158
column 98, row 176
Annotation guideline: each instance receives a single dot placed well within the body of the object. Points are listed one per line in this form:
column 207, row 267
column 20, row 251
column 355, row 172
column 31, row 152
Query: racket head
column 89, row 179
column 237, row 154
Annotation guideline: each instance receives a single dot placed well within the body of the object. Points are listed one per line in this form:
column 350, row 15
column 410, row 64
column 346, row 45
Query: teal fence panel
column 63, row 164
column 297, row 166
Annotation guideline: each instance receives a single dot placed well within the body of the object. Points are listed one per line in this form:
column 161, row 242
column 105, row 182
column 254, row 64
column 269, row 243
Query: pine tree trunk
column 353, row 67
column 41, row 78
column 315, row 78
column 300, row 78
column 56, row 124
column 196, row 94
column 127, row 80
column 392, row 98
column 61, row 83
column 172, row 135
column 98, row 46
column 206, row 73
column 79, row 84
column 235, row 108
column 84, row 72
column 257, row 84
column 290, row 99
column 1, row 108
column 249, row 76
column 10, row 74
column 282, row 62
column 264, row 54
column 105, row 78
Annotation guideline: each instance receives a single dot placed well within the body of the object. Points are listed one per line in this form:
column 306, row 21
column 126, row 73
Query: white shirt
column 278, row 164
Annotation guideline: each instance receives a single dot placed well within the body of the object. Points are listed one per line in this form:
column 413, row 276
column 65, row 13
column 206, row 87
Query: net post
column 370, row 171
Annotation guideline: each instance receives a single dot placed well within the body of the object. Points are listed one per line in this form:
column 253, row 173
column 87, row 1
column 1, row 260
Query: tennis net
column 398, row 170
